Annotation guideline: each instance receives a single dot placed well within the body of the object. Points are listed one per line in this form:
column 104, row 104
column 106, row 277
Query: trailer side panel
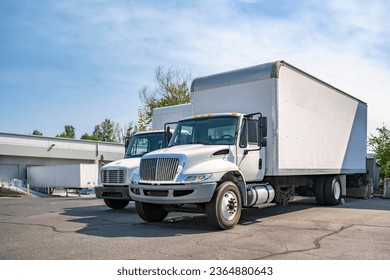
column 320, row 130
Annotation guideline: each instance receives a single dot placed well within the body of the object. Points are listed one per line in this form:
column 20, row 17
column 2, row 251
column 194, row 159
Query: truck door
column 250, row 159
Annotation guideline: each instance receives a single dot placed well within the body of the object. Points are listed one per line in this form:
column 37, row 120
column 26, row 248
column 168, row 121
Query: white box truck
column 258, row 135
column 115, row 176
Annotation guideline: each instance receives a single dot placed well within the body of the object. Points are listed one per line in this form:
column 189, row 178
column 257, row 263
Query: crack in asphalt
column 7, row 215
column 57, row 230
column 317, row 244
column 40, row 225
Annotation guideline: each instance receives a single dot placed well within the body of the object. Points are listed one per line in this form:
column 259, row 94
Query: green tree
column 128, row 130
column 171, row 88
column 87, row 136
column 37, row 132
column 107, row 131
column 380, row 144
column 69, row 132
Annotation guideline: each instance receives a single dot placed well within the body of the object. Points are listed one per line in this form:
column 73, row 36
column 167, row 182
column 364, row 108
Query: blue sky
column 75, row 62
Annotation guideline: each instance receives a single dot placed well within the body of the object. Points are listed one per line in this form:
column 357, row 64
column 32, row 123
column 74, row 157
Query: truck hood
column 191, row 153
column 127, row 163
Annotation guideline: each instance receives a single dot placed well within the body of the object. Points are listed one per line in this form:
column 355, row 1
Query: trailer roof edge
column 254, row 73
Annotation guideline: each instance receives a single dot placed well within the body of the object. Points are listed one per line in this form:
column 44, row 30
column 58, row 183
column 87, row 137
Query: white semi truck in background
column 258, row 135
column 114, row 177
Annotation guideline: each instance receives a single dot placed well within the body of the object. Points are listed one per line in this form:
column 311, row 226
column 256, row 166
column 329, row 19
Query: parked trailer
column 259, row 135
column 115, row 176
column 163, row 115
column 69, row 176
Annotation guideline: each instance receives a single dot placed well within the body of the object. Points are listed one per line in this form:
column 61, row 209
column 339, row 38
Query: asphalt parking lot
column 85, row 228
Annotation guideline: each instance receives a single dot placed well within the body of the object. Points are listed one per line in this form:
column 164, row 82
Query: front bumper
column 172, row 194
column 111, row 192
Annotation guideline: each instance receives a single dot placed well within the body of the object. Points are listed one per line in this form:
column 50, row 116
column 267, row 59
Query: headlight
column 193, row 178
column 135, row 177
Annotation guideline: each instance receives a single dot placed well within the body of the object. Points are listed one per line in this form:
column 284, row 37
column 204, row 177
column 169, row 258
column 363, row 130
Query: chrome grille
column 115, row 176
column 158, row 169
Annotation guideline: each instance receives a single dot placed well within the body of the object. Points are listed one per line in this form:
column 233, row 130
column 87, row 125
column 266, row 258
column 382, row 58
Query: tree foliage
column 87, row 136
column 107, row 131
column 171, row 88
column 110, row 131
column 37, row 132
column 380, row 144
column 128, row 130
column 69, row 132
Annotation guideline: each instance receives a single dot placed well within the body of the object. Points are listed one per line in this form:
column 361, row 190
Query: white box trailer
column 313, row 127
column 70, row 176
column 169, row 114
column 258, row 135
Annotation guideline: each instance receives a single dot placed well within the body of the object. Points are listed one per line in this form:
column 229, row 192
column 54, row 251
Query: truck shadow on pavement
column 101, row 221
column 104, row 222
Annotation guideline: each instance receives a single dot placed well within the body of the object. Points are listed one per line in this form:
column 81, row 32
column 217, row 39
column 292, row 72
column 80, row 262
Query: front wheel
column 150, row 212
column 116, row 203
column 224, row 209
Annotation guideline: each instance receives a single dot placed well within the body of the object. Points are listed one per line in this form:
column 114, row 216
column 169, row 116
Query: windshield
column 207, row 131
column 144, row 143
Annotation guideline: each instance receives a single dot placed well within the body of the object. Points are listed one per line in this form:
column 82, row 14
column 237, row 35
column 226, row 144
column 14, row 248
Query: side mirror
column 168, row 135
column 262, row 129
column 167, row 132
column 127, row 141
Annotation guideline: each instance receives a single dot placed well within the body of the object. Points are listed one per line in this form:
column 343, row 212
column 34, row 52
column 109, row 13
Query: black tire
column 332, row 190
column 150, row 212
column 116, row 203
column 224, row 209
column 319, row 190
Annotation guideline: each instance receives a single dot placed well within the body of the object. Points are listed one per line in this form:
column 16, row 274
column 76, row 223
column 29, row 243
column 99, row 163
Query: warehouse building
column 18, row 152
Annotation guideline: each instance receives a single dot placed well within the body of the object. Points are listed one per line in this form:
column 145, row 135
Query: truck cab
column 209, row 162
column 115, row 176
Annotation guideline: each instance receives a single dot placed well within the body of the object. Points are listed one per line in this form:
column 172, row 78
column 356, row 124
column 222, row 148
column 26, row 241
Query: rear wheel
column 332, row 190
column 319, row 190
column 150, row 212
column 116, row 203
column 224, row 209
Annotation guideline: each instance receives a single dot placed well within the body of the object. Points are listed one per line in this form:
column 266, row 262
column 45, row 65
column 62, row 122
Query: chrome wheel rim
column 337, row 190
column 229, row 205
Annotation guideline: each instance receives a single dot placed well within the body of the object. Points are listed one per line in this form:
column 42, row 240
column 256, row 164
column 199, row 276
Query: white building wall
column 17, row 152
